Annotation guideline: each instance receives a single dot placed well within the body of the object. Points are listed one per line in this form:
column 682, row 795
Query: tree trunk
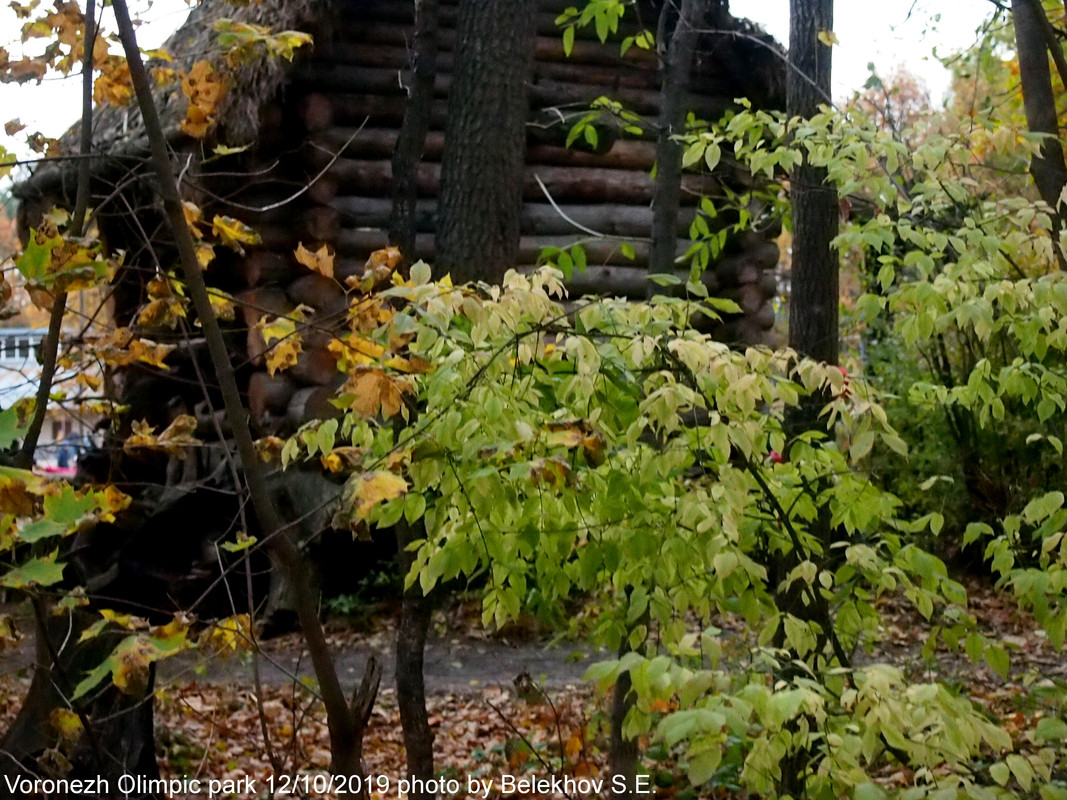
column 814, row 297
column 410, row 683
column 624, row 754
column 121, row 739
column 813, row 305
column 411, row 141
column 677, row 56
column 1031, row 43
column 485, row 138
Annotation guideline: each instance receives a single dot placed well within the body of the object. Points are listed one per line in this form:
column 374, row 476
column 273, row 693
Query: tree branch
column 342, row 726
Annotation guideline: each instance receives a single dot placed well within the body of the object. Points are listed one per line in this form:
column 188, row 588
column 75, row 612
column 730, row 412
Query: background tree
column 1035, row 41
column 485, row 140
column 813, row 296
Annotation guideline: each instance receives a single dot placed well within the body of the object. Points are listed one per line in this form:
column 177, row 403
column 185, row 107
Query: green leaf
column 712, row 155
column 1021, row 769
column 93, row 678
column 35, row 572
column 1051, row 729
column 1000, row 773
column 861, row 445
column 66, row 508
column 702, row 765
column 10, row 431
column 41, row 529
column 997, row 659
column 36, row 258
column 868, row 791
column 664, row 279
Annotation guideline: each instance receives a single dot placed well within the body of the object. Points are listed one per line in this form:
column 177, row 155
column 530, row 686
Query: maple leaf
column 204, row 89
column 130, row 663
column 113, row 85
column 371, row 488
column 222, row 304
column 269, row 448
column 13, row 126
column 205, row 254
column 320, row 261
column 16, row 498
column 193, row 218
column 283, row 342
column 371, row 390
column 233, row 233
column 163, row 312
column 36, row 257
column 174, row 439
column 228, row 635
column 378, row 271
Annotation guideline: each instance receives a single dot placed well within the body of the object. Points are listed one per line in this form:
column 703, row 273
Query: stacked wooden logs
column 349, row 99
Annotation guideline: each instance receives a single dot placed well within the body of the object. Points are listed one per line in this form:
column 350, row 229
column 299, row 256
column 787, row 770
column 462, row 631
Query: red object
column 775, row 457
column 65, row 472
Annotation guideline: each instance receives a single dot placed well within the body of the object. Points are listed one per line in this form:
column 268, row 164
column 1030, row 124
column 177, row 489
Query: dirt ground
column 210, row 721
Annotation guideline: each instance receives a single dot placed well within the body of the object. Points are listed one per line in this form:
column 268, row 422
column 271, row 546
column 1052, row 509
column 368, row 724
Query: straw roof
column 118, row 131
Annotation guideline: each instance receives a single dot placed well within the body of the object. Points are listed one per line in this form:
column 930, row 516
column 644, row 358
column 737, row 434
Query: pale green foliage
column 617, row 453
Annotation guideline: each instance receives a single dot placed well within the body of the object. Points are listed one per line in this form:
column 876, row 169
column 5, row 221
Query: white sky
column 887, row 32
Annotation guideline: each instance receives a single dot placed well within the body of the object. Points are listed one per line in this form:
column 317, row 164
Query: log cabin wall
column 355, row 81
column 318, row 181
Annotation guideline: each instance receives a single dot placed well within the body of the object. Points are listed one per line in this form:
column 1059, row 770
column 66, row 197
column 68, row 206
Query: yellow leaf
column 828, row 38
column 65, row 722
column 205, row 90
column 16, row 498
column 269, row 448
column 233, row 233
column 320, row 261
column 113, row 499
column 222, row 304
column 205, row 254
column 163, row 312
column 113, row 85
column 282, row 340
column 371, row 390
column 553, row 472
column 193, row 217
column 229, row 635
column 377, row 487
column 129, row 670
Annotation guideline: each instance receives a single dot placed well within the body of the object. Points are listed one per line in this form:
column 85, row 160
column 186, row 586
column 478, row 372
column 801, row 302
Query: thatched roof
column 118, row 131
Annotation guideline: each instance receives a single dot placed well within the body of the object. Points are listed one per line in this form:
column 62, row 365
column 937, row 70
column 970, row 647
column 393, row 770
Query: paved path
column 453, row 662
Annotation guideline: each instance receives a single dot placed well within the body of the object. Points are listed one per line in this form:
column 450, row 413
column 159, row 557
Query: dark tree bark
column 411, row 141
column 410, row 683
column 1031, row 43
column 813, row 307
column 676, row 54
column 624, row 756
column 485, row 140
column 814, row 297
